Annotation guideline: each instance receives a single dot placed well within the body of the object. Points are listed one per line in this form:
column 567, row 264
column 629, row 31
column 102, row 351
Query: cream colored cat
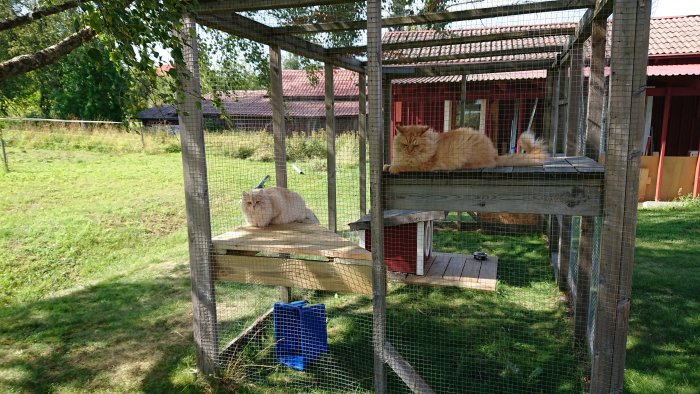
column 418, row 148
column 275, row 205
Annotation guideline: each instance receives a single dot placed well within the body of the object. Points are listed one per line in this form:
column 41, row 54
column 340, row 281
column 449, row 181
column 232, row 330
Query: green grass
column 94, row 284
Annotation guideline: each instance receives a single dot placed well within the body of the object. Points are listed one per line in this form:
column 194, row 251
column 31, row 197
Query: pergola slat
column 465, row 68
column 441, row 17
column 511, row 35
column 473, row 55
column 252, row 30
column 218, row 6
column 603, row 9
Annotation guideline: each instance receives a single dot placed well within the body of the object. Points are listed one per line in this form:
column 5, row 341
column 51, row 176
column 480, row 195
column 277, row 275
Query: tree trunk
column 25, row 63
column 36, row 15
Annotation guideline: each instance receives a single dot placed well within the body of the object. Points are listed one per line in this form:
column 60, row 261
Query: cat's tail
column 310, row 217
column 533, row 152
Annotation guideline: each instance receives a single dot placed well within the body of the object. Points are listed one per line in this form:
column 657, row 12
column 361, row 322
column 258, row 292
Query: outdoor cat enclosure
column 576, row 189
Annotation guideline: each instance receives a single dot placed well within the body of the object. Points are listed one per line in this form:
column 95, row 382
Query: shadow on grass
column 118, row 335
column 459, row 341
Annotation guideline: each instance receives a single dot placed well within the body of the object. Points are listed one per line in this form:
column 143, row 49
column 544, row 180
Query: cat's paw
column 387, row 167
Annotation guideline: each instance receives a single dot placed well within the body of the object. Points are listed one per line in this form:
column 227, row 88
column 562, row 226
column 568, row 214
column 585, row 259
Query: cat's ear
column 245, row 194
column 423, row 129
column 400, row 129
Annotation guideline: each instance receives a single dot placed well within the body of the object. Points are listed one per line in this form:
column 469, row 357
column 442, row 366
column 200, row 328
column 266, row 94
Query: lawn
column 94, row 284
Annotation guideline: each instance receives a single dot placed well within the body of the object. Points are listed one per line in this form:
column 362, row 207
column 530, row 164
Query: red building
column 506, row 104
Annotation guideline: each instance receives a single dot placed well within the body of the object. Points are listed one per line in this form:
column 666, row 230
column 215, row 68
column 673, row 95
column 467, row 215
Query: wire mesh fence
column 487, row 178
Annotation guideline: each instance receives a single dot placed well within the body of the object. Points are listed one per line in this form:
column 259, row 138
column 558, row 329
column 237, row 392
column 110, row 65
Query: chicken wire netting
column 495, row 266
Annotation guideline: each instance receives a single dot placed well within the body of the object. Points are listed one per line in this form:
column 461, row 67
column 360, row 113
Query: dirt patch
column 162, row 224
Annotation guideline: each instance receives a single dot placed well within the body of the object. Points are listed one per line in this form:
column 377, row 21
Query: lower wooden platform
column 447, row 269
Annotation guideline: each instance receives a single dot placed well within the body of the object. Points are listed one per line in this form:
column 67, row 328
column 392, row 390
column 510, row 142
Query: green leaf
column 95, row 55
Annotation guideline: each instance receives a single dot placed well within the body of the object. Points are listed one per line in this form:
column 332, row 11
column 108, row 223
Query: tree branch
column 25, row 63
column 35, row 15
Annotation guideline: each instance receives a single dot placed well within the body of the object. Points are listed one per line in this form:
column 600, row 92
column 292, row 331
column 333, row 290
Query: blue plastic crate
column 300, row 333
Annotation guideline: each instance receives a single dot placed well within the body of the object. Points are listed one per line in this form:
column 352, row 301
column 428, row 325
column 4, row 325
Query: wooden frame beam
column 473, row 55
column 252, row 30
column 218, row 6
column 628, row 63
column 603, row 9
column 194, row 168
column 441, row 17
column 510, row 35
column 330, row 146
column 431, row 70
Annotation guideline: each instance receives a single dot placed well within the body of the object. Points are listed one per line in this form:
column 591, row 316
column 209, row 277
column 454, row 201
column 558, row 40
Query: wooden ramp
column 446, row 269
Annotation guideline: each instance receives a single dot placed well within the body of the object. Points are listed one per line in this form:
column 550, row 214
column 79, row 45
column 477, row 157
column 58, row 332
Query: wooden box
column 408, row 238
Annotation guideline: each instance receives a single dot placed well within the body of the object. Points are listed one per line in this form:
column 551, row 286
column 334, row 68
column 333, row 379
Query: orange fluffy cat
column 418, row 148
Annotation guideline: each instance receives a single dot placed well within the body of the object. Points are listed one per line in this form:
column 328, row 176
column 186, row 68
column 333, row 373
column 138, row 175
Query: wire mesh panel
column 489, row 132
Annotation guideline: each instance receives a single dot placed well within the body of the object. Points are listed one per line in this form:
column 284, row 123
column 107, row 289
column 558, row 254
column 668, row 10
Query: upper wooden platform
column 563, row 185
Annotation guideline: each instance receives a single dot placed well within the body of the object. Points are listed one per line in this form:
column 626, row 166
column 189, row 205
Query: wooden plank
column 362, row 125
column 471, row 276
column 194, row 170
column 330, row 147
column 244, row 27
column 470, row 272
column 279, row 132
column 596, row 86
column 293, row 238
column 600, row 12
column 386, row 111
column 430, row 262
column 225, row 7
column 242, row 340
column 377, row 160
column 465, row 68
column 574, row 96
column 583, row 279
column 441, row 17
column 412, row 59
column 397, row 217
column 456, row 38
column 437, row 269
column 629, row 58
column 278, row 126
column 404, row 370
column 564, row 252
column 454, row 268
column 570, row 200
column 307, row 274
column 487, row 275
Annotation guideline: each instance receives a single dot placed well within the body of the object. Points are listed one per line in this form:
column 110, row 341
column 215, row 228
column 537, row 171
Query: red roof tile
column 296, row 83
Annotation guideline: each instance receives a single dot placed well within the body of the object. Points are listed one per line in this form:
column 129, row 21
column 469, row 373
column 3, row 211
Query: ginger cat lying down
column 419, row 148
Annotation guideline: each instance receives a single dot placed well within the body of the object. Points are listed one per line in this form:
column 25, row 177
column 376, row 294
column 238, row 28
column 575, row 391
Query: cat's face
column 254, row 201
column 413, row 140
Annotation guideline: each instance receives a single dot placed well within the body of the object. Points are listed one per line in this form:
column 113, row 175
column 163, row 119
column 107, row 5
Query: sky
column 675, row 7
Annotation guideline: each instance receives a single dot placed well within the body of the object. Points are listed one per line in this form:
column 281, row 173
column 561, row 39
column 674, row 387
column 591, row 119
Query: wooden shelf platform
column 447, row 269
column 293, row 255
column 563, row 185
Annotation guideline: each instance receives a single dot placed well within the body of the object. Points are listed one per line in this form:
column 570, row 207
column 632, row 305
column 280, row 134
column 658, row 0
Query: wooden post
column 386, row 108
column 462, row 100
column 330, row 146
column 628, row 64
column 554, row 127
column 377, row 151
column 574, row 100
column 194, row 169
column 362, row 123
column 563, row 251
column 662, row 150
column 279, row 132
column 278, row 126
column 696, row 184
column 4, row 154
column 594, row 120
column 596, row 84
